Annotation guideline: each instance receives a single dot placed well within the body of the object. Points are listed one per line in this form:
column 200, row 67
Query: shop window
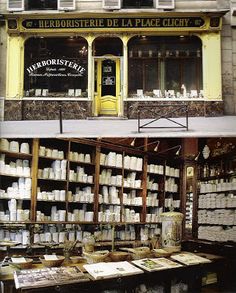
column 137, row 3
column 165, row 67
column 41, row 4
column 56, row 67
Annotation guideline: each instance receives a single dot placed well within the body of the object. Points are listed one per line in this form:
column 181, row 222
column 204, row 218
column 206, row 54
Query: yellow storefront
column 101, row 64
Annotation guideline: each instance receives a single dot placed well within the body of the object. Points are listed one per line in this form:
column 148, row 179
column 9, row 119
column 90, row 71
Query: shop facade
column 111, row 63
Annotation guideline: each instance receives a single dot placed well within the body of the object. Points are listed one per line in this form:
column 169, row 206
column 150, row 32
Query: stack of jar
column 132, row 198
column 217, row 200
column 107, row 178
column 131, row 181
column 218, row 185
column 15, row 212
column 133, row 163
column 56, row 172
column 21, row 236
column 54, row 195
column 110, row 195
column 51, row 153
column 110, row 213
column 151, row 200
column 79, row 157
column 84, row 196
column 18, row 168
column 156, row 169
column 151, row 184
column 170, row 185
column 18, row 190
column 80, row 176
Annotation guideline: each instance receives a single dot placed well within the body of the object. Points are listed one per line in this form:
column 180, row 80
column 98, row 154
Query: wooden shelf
column 111, row 167
column 14, row 176
column 226, row 208
column 51, row 158
column 132, row 170
column 23, row 198
column 135, row 188
column 80, row 182
column 111, row 185
column 81, row 163
column 221, row 176
column 17, row 155
column 232, row 190
column 94, row 169
column 51, row 201
column 210, row 224
column 57, row 180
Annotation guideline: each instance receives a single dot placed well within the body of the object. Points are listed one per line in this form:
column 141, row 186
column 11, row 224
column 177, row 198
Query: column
column 15, row 67
column 90, row 70
column 124, row 96
column 211, row 62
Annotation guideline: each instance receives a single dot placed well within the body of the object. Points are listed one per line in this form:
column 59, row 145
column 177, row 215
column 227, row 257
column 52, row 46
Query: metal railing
column 160, row 114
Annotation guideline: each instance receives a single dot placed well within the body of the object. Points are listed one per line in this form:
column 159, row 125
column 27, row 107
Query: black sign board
column 124, row 22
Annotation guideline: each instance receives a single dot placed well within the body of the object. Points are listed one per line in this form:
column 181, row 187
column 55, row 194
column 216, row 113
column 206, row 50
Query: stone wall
column 153, row 109
column 46, row 110
column 228, row 65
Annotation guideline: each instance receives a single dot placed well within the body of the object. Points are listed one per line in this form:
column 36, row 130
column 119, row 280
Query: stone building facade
column 130, row 56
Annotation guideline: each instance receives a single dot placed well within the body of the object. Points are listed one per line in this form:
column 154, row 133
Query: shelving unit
column 82, row 186
column 217, row 198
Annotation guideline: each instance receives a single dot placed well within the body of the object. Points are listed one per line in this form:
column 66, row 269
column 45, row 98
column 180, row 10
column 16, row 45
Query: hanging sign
column 56, row 68
column 119, row 22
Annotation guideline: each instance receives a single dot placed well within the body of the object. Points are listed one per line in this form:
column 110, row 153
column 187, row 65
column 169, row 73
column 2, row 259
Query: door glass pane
column 108, row 78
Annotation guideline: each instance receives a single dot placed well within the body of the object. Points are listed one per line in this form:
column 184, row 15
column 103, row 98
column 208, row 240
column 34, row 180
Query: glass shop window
column 165, row 67
column 56, row 67
column 41, row 5
column 137, row 3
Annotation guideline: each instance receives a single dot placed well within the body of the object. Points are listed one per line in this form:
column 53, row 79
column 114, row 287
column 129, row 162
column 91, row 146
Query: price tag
column 50, row 257
column 18, row 259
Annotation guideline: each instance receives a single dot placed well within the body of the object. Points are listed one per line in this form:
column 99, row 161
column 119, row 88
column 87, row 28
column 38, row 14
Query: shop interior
column 78, row 207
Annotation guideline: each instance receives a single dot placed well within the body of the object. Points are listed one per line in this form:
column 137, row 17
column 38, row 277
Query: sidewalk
column 198, row 127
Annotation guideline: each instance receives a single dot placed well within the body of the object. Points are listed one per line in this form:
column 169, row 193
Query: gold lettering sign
column 131, row 22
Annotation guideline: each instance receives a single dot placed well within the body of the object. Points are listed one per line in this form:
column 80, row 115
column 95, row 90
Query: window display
column 56, row 67
column 165, row 67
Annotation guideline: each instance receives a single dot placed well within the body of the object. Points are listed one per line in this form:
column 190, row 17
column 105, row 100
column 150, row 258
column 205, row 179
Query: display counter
column 190, row 277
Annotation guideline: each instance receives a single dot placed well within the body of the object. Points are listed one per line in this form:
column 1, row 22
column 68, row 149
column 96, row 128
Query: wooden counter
column 191, row 275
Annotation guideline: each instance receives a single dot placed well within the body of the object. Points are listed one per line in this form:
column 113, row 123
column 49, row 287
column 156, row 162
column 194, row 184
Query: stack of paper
column 188, row 258
column 156, row 264
column 104, row 270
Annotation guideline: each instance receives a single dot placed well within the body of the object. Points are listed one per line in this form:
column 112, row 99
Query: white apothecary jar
column 171, row 231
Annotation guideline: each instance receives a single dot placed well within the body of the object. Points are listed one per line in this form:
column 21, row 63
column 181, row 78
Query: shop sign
column 56, row 68
column 131, row 22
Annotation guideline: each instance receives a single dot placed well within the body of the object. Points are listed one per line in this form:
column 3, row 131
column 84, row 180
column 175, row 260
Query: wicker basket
column 77, row 259
column 97, row 256
column 161, row 253
column 118, row 255
column 140, row 252
column 23, row 265
column 53, row 263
